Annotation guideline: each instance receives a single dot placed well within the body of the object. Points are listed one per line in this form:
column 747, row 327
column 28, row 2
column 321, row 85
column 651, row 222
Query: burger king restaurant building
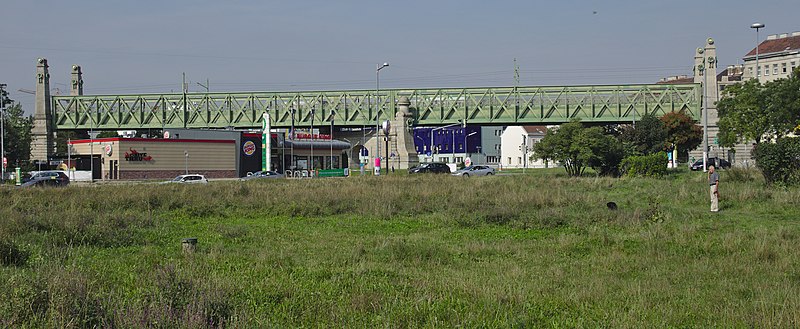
column 156, row 158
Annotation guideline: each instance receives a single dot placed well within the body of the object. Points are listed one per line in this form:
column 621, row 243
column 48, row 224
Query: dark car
column 47, row 178
column 716, row 162
column 434, row 168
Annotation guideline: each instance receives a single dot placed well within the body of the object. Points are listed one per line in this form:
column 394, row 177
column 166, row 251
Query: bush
column 779, row 162
column 653, row 165
column 11, row 255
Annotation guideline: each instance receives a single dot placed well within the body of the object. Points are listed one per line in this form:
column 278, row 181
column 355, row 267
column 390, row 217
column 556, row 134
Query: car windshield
column 177, row 179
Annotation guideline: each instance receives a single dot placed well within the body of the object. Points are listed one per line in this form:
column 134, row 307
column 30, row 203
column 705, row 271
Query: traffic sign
column 5, row 162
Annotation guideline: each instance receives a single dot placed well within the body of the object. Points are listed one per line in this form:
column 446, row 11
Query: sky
column 145, row 46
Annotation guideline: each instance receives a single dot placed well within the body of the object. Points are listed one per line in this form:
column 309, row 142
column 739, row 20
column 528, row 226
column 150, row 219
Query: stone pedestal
column 403, row 136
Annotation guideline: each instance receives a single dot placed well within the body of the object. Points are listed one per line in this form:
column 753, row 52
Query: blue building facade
column 455, row 141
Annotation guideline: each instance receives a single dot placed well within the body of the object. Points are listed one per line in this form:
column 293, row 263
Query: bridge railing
column 498, row 106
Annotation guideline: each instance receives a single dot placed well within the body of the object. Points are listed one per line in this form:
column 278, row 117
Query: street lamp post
column 465, row 141
column 524, row 149
column 378, row 107
column 423, row 144
column 705, row 117
column 3, row 131
column 437, row 128
column 386, row 130
column 757, row 26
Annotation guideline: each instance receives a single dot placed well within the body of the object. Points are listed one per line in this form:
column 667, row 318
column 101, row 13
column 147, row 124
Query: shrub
column 11, row 255
column 780, row 161
column 653, row 165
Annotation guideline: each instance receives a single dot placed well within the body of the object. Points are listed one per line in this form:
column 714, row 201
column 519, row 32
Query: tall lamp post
column 378, row 107
column 757, row 26
column 3, row 131
column 437, row 128
column 386, row 129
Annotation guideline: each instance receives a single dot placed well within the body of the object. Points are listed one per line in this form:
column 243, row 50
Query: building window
column 783, row 66
column 766, row 70
column 519, row 160
column 461, row 146
column 793, row 65
column 750, row 69
column 509, row 160
column 775, row 69
column 759, row 70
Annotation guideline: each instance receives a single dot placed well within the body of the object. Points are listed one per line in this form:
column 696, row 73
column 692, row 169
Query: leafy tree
column 577, row 147
column 62, row 137
column 743, row 113
column 648, row 136
column 17, row 130
column 683, row 132
column 107, row 134
column 755, row 111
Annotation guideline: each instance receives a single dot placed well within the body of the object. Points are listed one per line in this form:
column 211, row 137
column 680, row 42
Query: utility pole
column 3, row 130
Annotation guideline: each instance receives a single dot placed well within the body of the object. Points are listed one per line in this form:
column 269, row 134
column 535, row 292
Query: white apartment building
column 778, row 56
column 515, row 139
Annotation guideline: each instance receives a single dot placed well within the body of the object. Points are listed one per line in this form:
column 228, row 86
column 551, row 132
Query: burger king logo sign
column 249, row 148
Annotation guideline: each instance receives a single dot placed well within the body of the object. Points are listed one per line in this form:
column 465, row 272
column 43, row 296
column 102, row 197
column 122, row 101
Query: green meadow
column 533, row 250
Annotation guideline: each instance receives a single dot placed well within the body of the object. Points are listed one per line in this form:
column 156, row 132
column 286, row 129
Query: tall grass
column 404, row 251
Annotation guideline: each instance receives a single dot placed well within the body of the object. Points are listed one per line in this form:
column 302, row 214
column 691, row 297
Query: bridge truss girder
column 355, row 108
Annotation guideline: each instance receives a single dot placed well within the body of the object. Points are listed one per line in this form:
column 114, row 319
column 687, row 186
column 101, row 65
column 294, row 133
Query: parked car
column 717, row 162
column 189, row 179
column 262, row 174
column 434, row 168
column 474, row 171
column 48, row 178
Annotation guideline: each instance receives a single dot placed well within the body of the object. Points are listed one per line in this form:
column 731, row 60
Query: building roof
column 534, row 130
column 778, row 44
column 150, row 140
column 676, row 81
column 319, row 144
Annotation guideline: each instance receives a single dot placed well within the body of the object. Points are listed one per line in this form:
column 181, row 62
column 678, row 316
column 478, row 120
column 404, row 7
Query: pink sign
column 377, row 162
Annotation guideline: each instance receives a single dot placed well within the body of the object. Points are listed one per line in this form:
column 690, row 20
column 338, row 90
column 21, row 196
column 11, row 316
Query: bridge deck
column 492, row 106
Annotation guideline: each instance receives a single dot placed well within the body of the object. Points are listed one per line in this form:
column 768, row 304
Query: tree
column 577, row 147
column 683, row 132
column 743, row 113
column 751, row 111
column 648, row 136
column 17, row 130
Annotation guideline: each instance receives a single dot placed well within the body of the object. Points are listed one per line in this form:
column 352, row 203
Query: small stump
column 189, row 245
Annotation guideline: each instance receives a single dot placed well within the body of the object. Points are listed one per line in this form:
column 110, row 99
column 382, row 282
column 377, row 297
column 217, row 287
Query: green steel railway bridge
column 356, row 108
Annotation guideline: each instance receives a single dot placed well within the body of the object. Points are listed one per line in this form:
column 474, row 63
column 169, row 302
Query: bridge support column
column 403, row 144
column 43, row 134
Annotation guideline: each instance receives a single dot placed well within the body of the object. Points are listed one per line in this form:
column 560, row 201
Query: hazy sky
column 143, row 46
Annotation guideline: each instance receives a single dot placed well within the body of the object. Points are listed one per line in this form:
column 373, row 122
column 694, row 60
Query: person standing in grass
column 713, row 182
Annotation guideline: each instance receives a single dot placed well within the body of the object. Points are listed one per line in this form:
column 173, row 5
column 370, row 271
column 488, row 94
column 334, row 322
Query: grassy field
column 539, row 250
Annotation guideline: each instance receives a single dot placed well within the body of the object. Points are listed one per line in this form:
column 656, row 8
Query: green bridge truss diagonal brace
column 355, row 108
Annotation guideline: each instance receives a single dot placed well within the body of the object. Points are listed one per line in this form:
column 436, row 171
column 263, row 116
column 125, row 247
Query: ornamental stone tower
column 76, row 83
column 43, row 134
column 705, row 72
